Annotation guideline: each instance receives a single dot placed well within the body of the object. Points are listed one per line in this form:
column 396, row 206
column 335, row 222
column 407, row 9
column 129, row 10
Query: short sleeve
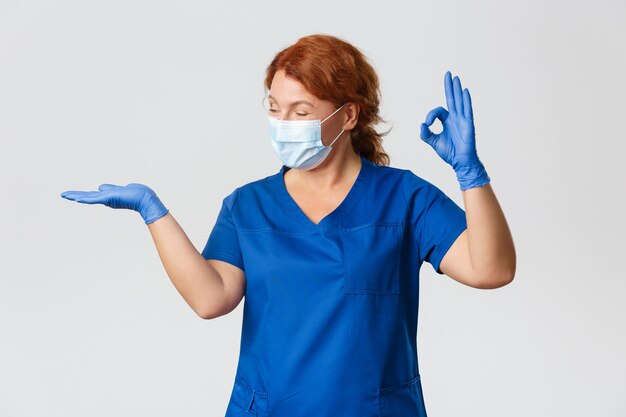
column 437, row 221
column 223, row 241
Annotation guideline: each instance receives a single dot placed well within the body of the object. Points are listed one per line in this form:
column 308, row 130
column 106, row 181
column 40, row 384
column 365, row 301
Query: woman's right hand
column 138, row 197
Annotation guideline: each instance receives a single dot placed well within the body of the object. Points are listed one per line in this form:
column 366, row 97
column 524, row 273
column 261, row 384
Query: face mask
column 298, row 143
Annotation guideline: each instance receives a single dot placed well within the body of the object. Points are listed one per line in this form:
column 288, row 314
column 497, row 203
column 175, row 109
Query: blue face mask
column 298, row 143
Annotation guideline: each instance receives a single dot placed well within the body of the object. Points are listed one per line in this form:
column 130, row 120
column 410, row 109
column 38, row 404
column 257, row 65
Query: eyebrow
column 295, row 102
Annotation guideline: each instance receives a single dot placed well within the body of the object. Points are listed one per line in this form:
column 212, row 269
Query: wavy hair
column 334, row 70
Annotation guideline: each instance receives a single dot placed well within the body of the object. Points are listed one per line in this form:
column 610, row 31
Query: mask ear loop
column 342, row 130
column 333, row 113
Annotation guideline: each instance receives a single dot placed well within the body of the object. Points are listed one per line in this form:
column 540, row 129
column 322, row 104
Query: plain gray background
column 169, row 94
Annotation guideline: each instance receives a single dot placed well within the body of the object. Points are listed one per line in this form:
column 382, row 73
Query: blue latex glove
column 456, row 144
column 138, row 197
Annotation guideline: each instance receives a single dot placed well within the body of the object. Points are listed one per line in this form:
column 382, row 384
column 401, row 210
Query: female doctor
column 327, row 250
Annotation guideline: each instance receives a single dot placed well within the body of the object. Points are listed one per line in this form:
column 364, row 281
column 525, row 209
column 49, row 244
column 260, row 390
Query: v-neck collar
column 332, row 217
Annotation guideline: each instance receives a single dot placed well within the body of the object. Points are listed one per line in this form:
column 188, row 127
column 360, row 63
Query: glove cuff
column 471, row 176
column 154, row 211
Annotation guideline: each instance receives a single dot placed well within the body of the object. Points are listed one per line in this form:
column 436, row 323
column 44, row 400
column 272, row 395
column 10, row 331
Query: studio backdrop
column 169, row 94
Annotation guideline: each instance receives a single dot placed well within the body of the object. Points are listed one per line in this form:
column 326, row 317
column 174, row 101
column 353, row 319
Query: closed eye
column 297, row 114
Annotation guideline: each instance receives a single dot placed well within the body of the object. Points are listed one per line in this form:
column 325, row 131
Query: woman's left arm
column 483, row 256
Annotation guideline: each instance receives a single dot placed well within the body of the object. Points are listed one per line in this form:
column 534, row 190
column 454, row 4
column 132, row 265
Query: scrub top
column 330, row 313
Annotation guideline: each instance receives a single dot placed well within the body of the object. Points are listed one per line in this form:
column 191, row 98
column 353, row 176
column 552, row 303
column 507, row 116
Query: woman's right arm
column 212, row 288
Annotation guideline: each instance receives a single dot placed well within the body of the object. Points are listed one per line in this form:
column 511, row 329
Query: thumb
column 426, row 134
column 104, row 187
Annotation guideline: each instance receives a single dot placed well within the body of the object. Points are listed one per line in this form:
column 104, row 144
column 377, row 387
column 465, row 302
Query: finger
column 439, row 113
column 97, row 197
column 467, row 105
column 88, row 197
column 447, row 83
column 458, row 95
column 71, row 195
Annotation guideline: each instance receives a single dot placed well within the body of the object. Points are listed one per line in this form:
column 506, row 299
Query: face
column 289, row 100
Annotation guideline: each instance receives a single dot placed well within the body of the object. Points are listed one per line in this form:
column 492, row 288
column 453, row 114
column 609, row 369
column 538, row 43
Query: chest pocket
column 372, row 257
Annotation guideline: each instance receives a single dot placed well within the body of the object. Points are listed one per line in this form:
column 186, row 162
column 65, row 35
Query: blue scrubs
column 330, row 312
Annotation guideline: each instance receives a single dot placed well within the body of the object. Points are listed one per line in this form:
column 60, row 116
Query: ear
column 351, row 115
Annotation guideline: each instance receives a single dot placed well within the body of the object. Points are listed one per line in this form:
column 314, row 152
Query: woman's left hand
column 456, row 144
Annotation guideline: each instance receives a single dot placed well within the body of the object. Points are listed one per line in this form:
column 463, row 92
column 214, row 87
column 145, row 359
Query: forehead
column 289, row 91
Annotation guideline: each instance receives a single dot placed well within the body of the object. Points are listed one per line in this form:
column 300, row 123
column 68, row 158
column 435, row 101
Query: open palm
column 134, row 196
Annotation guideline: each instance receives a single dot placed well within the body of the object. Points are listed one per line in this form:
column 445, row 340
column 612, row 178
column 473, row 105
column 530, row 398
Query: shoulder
column 413, row 189
column 421, row 193
column 402, row 174
column 405, row 179
column 257, row 189
column 415, row 184
column 386, row 175
column 412, row 181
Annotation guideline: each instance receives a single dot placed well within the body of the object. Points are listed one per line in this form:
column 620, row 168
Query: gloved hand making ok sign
column 456, row 144
column 138, row 197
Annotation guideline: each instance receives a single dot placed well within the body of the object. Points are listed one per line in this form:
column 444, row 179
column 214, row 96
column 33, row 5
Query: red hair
column 334, row 70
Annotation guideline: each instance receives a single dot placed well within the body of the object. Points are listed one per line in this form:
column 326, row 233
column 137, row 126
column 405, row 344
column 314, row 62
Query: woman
column 327, row 250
